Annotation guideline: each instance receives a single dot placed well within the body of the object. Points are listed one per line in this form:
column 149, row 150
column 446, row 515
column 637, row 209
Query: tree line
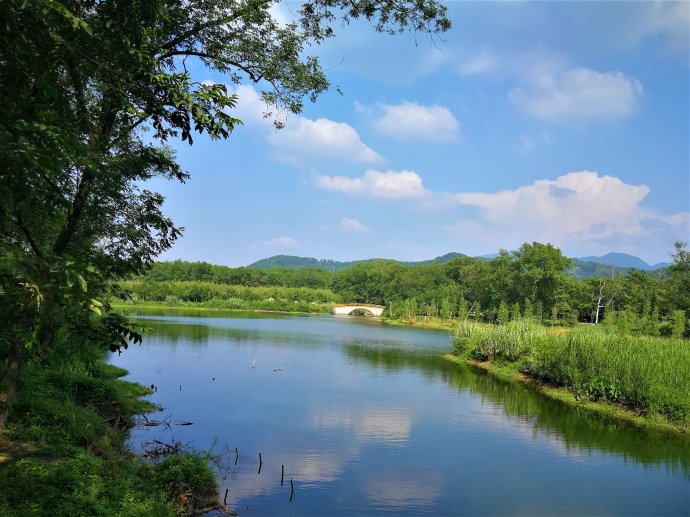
column 532, row 281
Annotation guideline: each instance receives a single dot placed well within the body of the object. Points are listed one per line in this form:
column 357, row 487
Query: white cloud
column 280, row 242
column 413, row 121
column 250, row 108
column 577, row 95
column 577, row 210
column 303, row 138
column 389, row 184
column 352, row 225
column 324, row 138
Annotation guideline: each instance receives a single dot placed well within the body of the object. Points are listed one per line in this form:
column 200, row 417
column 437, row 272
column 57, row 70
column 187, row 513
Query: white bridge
column 376, row 310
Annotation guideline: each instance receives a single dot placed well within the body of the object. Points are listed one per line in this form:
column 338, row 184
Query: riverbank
column 63, row 451
column 642, row 381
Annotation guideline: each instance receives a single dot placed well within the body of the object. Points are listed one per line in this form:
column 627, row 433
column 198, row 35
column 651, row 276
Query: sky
column 558, row 122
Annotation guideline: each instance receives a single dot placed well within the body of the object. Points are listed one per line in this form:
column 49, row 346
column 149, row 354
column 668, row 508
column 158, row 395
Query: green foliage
column 207, row 294
column 80, row 485
column 178, row 270
column 648, row 374
column 502, row 315
column 511, row 341
column 190, row 472
column 678, row 324
column 448, row 289
column 515, row 312
column 76, row 411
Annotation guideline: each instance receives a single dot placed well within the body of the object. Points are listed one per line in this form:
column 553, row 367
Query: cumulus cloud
column 352, row 225
column 578, row 95
column 414, row 121
column 303, row 138
column 578, row 209
column 576, row 205
column 389, row 184
column 324, row 138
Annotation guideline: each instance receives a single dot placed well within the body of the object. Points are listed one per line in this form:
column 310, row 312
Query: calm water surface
column 368, row 420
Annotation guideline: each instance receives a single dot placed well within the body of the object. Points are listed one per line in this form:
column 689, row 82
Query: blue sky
column 560, row 122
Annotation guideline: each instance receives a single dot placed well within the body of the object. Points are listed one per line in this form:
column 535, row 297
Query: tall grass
column 512, row 341
column 649, row 374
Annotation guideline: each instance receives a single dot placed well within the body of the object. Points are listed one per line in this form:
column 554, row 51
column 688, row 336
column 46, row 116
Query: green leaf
column 82, row 283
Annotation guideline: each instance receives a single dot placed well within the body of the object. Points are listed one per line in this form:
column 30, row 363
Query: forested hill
column 623, row 260
column 294, row 262
column 286, row 270
column 607, row 266
column 582, row 269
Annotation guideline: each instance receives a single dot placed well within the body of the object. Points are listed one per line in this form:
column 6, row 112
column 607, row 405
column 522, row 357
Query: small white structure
column 376, row 310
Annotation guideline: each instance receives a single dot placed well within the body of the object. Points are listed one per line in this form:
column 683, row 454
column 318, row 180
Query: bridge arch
column 349, row 308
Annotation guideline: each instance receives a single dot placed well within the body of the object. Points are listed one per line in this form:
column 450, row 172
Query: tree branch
column 252, row 75
column 85, row 184
column 34, row 246
column 257, row 4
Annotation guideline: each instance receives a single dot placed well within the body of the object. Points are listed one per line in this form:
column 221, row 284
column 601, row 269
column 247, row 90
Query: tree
column 463, row 309
column 92, row 90
column 603, row 293
column 678, row 283
column 502, row 317
column 678, row 324
column 541, row 272
column 515, row 312
column 528, row 312
column 446, row 311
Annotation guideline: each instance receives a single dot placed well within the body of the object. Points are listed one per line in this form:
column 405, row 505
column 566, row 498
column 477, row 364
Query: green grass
column 63, row 451
column 648, row 375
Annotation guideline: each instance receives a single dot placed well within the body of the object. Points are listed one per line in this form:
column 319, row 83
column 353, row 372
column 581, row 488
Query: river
column 356, row 417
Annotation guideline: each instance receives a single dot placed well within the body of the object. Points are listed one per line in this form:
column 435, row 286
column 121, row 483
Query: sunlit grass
column 649, row 374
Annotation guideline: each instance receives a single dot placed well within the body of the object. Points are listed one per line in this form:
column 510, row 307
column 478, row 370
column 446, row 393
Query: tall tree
column 93, row 89
column 542, row 272
column 678, row 283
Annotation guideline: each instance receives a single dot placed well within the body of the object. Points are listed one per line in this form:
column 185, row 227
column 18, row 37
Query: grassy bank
column 63, row 451
column 646, row 380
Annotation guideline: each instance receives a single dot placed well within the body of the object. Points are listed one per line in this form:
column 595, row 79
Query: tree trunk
column 10, row 378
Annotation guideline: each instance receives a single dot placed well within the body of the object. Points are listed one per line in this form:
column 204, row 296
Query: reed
column 651, row 375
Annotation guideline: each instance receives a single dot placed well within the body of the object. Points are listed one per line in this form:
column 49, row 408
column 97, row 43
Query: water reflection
column 415, row 491
column 535, row 415
column 365, row 419
column 389, row 425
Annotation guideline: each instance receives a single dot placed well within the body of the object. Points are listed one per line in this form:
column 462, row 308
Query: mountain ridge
column 582, row 266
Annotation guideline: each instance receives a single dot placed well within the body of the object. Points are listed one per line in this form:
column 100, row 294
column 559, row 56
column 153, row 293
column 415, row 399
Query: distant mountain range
column 623, row 260
column 610, row 264
column 293, row 262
